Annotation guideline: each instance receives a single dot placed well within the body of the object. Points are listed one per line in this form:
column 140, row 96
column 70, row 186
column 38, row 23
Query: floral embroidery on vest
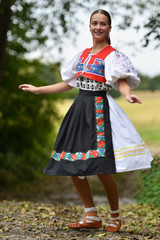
column 92, row 65
column 96, row 68
column 101, row 144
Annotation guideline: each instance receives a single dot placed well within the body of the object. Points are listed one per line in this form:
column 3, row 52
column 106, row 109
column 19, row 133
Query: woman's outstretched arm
column 125, row 90
column 55, row 88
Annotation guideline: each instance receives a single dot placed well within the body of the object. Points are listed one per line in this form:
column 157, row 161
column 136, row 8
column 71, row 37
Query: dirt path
column 31, row 221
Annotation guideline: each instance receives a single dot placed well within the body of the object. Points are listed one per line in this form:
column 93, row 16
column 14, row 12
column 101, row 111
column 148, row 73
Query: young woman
column 96, row 137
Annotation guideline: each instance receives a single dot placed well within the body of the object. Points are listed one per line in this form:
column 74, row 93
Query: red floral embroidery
column 95, row 154
column 101, row 143
column 90, row 68
column 100, row 121
column 52, row 153
column 74, row 156
column 99, row 99
column 83, row 156
column 101, row 133
column 62, row 155
column 99, row 111
column 91, row 152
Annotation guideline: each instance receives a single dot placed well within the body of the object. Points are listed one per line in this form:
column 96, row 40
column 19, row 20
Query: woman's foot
column 115, row 222
column 91, row 221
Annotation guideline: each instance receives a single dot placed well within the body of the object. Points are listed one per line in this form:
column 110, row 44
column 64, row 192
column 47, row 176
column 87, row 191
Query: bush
column 150, row 192
column 27, row 121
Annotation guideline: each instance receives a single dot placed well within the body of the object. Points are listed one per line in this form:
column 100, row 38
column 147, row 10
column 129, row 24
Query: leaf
column 66, row 228
column 101, row 235
column 52, row 214
column 132, row 224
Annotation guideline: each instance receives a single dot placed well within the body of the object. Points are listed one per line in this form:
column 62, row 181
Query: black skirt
column 84, row 142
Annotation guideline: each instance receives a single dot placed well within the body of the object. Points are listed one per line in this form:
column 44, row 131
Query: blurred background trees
column 27, row 122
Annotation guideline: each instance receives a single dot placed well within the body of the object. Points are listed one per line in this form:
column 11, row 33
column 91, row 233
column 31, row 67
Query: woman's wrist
column 38, row 90
column 127, row 95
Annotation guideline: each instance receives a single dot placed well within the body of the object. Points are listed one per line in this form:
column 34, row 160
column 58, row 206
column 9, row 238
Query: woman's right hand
column 29, row 88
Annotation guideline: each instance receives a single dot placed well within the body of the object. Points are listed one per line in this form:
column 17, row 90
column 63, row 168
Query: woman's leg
column 110, row 187
column 109, row 183
column 92, row 220
column 83, row 189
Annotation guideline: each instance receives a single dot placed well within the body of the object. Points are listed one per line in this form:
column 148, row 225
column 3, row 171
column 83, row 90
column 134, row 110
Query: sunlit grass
column 145, row 116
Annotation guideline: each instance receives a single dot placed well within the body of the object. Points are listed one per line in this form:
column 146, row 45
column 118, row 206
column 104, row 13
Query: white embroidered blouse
column 117, row 65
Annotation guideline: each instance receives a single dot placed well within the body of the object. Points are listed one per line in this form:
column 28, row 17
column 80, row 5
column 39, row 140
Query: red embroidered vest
column 95, row 66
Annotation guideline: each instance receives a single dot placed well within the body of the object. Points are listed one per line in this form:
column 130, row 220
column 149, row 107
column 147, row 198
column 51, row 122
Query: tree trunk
column 5, row 17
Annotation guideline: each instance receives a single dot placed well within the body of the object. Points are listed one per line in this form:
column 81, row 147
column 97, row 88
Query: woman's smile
column 99, row 27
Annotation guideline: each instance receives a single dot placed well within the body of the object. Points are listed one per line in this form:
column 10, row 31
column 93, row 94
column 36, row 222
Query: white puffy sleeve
column 69, row 71
column 118, row 65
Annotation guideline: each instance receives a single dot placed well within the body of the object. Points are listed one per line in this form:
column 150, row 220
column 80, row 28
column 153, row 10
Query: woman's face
column 99, row 27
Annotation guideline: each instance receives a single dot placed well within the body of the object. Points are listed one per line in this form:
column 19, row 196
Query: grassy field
column 145, row 116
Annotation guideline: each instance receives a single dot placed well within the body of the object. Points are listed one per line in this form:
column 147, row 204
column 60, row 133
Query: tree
column 5, row 17
column 155, row 83
column 27, row 121
column 148, row 15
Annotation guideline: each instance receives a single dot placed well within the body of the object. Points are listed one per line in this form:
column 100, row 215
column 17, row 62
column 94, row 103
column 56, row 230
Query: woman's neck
column 98, row 46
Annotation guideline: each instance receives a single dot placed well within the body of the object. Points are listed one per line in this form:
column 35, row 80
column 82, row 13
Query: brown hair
column 109, row 20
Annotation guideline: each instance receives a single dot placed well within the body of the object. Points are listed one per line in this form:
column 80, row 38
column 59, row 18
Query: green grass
column 150, row 134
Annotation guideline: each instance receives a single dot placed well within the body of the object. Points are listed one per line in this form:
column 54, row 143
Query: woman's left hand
column 133, row 99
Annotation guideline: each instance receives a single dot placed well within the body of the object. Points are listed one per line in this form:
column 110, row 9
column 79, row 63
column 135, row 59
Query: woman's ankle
column 92, row 212
column 114, row 213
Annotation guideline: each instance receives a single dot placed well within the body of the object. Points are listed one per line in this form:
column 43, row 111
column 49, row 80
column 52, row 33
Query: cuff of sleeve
column 132, row 80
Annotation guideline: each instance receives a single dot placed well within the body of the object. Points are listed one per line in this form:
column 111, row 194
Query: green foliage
column 148, row 83
column 114, row 93
column 71, row 94
column 155, row 83
column 26, row 120
column 151, row 184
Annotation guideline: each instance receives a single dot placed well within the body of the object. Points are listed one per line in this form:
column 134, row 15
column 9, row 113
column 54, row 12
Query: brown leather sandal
column 115, row 223
column 85, row 224
column 91, row 221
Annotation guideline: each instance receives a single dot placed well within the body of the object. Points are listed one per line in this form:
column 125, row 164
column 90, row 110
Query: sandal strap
column 115, row 218
column 114, row 224
column 92, row 218
column 89, row 220
column 114, row 212
column 92, row 209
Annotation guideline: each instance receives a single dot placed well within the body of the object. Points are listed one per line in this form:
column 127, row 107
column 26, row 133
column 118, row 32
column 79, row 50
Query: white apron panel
column 131, row 153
